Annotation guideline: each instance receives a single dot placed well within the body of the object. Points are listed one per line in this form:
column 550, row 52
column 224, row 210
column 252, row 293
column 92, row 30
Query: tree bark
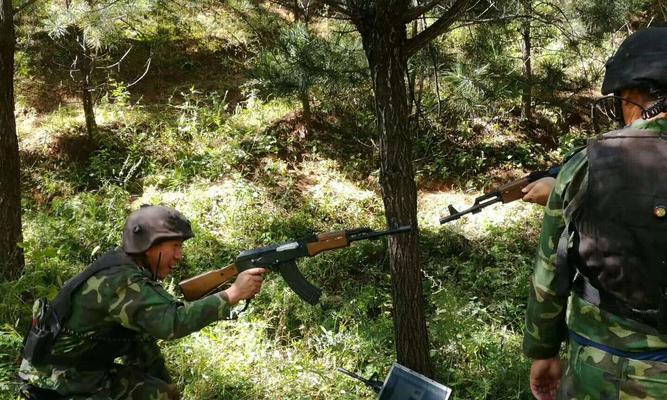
column 384, row 39
column 88, row 111
column 86, row 94
column 304, row 96
column 526, row 48
column 11, row 256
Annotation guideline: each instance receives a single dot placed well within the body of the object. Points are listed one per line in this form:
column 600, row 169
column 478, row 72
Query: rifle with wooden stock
column 506, row 193
column 282, row 258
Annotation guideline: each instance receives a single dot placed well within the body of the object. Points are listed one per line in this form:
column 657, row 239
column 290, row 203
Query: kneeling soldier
column 116, row 308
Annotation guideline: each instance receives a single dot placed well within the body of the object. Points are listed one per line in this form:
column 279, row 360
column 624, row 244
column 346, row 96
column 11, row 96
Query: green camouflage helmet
column 641, row 61
column 150, row 225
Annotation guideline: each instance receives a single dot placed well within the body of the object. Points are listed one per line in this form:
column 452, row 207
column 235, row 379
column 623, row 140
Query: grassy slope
column 250, row 174
column 230, row 174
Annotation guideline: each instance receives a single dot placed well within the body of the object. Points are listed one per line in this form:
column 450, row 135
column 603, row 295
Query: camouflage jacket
column 123, row 299
column 546, row 321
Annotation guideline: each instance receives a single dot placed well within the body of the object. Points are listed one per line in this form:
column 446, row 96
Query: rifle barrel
column 376, row 234
column 487, row 200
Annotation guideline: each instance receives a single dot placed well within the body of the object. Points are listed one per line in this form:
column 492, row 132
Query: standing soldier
column 603, row 250
column 117, row 308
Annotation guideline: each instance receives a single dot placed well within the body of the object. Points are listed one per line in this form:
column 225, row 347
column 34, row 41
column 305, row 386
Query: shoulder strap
column 568, row 240
column 630, row 132
column 565, row 271
column 61, row 304
column 571, row 154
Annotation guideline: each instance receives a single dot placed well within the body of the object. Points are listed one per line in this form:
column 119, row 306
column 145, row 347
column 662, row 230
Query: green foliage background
column 216, row 130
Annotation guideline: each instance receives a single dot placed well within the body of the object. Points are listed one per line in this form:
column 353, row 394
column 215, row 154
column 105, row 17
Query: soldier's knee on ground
column 132, row 383
column 172, row 391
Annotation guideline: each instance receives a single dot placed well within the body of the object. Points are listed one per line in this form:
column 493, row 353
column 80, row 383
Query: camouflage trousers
column 592, row 374
column 133, row 384
column 128, row 383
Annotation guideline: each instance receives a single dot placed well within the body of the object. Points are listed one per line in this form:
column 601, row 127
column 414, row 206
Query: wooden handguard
column 330, row 235
column 512, row 191
column 203, row 284
column 327, row 241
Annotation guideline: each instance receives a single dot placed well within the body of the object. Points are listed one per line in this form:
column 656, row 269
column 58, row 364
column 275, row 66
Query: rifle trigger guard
column 234, row 314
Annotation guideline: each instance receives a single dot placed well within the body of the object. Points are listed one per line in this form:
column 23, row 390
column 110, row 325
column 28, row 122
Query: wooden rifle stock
column 203, row 284
column 512, row 191
column 327, row 241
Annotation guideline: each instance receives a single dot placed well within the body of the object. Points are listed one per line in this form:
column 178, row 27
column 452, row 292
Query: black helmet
column 641, row 61
column 150, row 225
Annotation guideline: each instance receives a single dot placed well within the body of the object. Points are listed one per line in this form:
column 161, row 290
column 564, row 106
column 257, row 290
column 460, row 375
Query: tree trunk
column 88, row 111
column 86, row 94
column 11, row 256
column 526, row 95
column 304, row 96
column 384, row 36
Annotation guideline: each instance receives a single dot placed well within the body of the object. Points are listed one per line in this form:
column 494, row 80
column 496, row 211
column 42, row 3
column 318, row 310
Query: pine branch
column 416, row 12
column 148, row 66
column 439, row 27
column 24, row 6
column 117, row 63
column 338, row 7
column 491, row 20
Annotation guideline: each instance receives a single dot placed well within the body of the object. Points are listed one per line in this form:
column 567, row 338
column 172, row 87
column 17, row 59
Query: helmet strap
column 618, row 109
column 657, row 108
column 157, row 267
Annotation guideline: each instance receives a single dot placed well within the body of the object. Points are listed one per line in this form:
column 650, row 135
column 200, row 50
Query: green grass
column 229, row 173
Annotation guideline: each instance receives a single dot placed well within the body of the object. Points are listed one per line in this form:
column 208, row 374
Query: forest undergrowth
column 257, row 121
column 250, row 177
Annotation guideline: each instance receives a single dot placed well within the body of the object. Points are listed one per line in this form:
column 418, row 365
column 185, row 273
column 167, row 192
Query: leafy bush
column 10, row 347
column 301, row 62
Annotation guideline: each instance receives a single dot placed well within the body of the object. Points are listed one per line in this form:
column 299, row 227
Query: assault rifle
column 505, row 194
column 282, row 258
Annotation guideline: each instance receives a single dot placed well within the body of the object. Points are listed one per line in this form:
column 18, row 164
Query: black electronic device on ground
column 405, row 384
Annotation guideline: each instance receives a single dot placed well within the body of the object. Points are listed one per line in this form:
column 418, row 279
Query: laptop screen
column 405, row 384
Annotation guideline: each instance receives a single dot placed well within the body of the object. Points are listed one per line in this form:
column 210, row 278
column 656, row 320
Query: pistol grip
column 298, row 283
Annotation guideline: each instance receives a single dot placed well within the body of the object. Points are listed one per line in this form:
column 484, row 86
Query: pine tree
column 11, row 255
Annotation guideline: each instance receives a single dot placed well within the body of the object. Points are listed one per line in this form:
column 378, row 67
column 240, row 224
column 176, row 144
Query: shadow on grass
column 493, row 269
column 326, row 136
column 73, row 162
column 476, row 291
column 474, row 309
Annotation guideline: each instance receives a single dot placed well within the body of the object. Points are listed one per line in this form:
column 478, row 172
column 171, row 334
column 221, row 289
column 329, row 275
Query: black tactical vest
column 622, row 224
column 49, row 325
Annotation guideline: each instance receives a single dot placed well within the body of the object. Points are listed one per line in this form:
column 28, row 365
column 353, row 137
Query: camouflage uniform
column 123, row 296
column 590, row 373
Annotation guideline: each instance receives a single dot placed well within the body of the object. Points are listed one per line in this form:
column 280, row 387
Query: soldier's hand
column 248, row 283
column 545, row 378
column 538, row 192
